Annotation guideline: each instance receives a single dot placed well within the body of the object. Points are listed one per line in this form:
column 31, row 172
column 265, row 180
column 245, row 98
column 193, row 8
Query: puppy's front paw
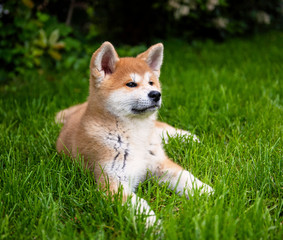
column 151, row 220
column 198, row 187
column 191, row 136
column 184, row 136
column 195, row 138
column 141, row 206
column 203, row 189
column 206, row 189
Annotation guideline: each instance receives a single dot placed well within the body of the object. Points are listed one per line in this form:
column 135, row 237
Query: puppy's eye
column 131, row 84
column 150, row 83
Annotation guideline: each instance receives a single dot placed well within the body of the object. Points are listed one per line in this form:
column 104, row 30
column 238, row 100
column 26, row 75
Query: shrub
column 30, row 39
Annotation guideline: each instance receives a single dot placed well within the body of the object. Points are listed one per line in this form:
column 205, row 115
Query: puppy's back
column 71, row 118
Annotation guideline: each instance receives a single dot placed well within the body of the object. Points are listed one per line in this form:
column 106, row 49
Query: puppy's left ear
column 153, row 57
column 103, row 62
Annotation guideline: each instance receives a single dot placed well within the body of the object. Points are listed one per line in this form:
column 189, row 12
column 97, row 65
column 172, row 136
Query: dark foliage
column 134, row 21
column 62, row 34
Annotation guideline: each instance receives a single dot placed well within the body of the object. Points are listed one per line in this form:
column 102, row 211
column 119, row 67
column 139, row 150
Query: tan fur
column 116, row 144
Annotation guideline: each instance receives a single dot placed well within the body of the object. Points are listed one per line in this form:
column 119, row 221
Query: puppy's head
column 126, row 87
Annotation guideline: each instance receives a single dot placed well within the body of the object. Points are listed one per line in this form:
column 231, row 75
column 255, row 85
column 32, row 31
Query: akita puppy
column 116, row 131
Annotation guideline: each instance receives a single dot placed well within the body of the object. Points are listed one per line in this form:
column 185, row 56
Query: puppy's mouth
column 146, row 109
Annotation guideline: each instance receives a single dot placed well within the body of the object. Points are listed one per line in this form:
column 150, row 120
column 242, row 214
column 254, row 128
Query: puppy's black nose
column 154, row 95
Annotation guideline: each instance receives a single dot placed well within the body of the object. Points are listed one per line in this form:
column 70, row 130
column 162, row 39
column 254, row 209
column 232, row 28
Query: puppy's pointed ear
column 153, row 57
column 103, row 62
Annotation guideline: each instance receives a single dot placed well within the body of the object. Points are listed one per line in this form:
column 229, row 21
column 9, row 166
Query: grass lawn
column 230, row 95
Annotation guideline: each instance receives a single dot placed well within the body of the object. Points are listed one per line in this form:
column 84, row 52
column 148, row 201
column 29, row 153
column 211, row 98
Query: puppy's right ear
column 153, row 57
column 103, row 62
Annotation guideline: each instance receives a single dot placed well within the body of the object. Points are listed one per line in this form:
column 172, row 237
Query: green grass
column 229, row 94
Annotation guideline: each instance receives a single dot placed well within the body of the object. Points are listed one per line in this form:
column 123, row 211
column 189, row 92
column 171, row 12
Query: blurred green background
column 60, row 35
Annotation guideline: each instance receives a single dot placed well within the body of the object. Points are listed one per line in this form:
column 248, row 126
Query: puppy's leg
column 179, row 179
column 137, row 204
column 140, row 206
column 165, row 129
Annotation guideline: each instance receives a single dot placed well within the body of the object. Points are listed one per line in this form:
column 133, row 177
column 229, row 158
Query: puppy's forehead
column 138, row 78
column 136, row 68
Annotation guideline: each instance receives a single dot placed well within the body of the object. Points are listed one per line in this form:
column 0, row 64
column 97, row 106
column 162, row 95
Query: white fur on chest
column 135, row 148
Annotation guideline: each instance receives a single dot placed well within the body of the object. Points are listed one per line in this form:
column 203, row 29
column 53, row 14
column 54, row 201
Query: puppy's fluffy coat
column 116, row 130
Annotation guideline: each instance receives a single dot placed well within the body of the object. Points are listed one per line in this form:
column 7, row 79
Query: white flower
column 180, row 10
column 184, row 10
column 211, row 4
column 174, row 4
column 220, row 22
column 263, row 17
